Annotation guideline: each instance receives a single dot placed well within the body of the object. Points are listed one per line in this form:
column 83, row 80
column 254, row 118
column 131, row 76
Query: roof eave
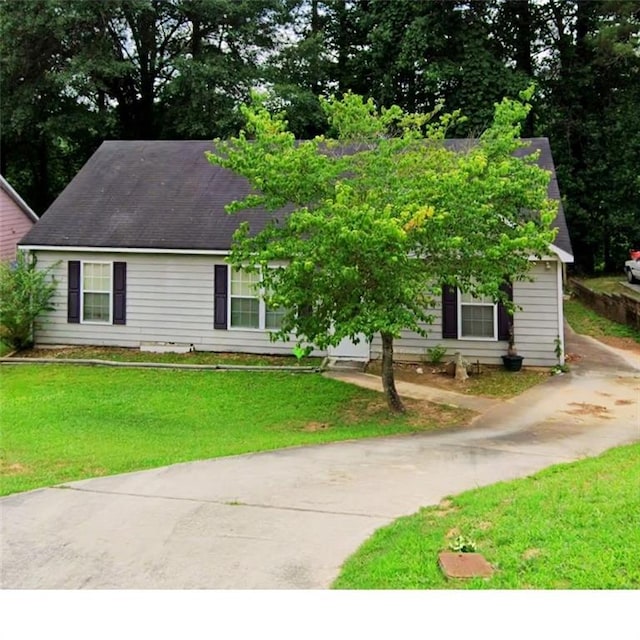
column 155, row 250
column 564, row 256
column 15, row 196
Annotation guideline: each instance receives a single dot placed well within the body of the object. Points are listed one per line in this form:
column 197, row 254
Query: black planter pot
column 512, row 363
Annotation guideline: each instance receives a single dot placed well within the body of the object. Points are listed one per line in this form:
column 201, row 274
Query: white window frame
column 83, row 291
column 461, row 304
column 262, row 308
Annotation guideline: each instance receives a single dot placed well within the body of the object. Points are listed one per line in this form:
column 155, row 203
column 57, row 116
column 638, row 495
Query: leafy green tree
column 590, row 114
column 384, row 213
column 73, row 73
column 25, row 293
column 47, row 132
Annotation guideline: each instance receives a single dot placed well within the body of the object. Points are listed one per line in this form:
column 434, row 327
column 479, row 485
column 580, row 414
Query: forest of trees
column 76, row 72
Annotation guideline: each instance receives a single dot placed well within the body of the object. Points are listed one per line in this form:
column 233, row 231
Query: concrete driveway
column 289, row 518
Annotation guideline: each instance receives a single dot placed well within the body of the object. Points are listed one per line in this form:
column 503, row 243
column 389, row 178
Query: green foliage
column 436, row 354
column 383, row 215
column 558, row 348
column 25, row 293
column 462, row 544
column 80, row 71
column 301, row 352
column 593, row 123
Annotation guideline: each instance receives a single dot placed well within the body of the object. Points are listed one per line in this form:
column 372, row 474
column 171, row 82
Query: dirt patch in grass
column 312, row 427
column 429, row 414
column 444, row 508
column 420, row 414
column 12, row 469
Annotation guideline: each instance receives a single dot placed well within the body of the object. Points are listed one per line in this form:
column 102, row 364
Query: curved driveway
column 289, row 518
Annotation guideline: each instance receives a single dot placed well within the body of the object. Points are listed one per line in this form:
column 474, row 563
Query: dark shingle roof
column 166, row 195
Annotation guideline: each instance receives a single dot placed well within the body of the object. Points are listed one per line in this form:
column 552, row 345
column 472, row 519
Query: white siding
column 536, row 327
column 169, row 299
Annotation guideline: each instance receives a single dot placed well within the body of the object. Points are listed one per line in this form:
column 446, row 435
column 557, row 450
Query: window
column 468, row 318
column 273, row 317
column 96, row 292
column 248, row 310
column 477, row 317
column 245, row 300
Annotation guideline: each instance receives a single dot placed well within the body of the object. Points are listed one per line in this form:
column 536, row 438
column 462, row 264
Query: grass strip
column 587, row 322
column 572, row 526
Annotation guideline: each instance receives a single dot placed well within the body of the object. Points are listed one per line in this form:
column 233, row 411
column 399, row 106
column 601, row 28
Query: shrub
column 436, row 354
column 25, row 293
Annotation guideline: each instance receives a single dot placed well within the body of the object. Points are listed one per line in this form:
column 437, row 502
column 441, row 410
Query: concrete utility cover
column 464, row 565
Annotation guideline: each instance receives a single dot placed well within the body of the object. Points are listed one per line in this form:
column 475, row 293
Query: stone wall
column 614, row 306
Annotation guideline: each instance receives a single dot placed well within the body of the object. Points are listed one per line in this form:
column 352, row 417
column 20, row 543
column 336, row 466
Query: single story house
column 16, row 218
column 139, row 240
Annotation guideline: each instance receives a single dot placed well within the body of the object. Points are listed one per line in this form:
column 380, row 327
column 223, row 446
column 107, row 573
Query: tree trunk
column 388, row 381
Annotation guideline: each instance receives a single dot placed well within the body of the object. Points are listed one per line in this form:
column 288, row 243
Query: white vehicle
column 632, row 267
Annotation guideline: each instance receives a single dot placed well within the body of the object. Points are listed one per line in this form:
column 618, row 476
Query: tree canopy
column 74, row 72
column 384, row 213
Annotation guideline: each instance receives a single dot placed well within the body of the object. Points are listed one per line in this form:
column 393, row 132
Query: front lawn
column 572, row 526
column 65, row 422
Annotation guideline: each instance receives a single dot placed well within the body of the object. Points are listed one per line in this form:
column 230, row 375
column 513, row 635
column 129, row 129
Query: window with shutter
column 467, row 317
column 97, row 292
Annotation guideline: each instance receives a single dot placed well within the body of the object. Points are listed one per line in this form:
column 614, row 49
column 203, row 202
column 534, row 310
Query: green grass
column 610, row 284
column 587, row 322
column 499, row 383
column 573, row 526
column 66, row 422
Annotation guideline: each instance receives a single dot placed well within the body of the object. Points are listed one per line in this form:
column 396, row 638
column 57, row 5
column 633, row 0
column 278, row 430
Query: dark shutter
column 449, row 312
column 504, row 319
column 73, row 291
column 220, row 279
column 119, row 293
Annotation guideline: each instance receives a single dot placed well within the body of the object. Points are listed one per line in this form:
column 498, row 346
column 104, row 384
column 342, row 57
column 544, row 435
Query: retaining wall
column 614, row 306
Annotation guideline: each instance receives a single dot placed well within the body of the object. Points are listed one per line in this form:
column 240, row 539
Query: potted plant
column 512, row 361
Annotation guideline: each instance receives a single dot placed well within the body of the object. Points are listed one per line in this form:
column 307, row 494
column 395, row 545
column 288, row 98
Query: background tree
column 74, row 72
column 590, row 81
column 47, row 132
column 384, row 215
